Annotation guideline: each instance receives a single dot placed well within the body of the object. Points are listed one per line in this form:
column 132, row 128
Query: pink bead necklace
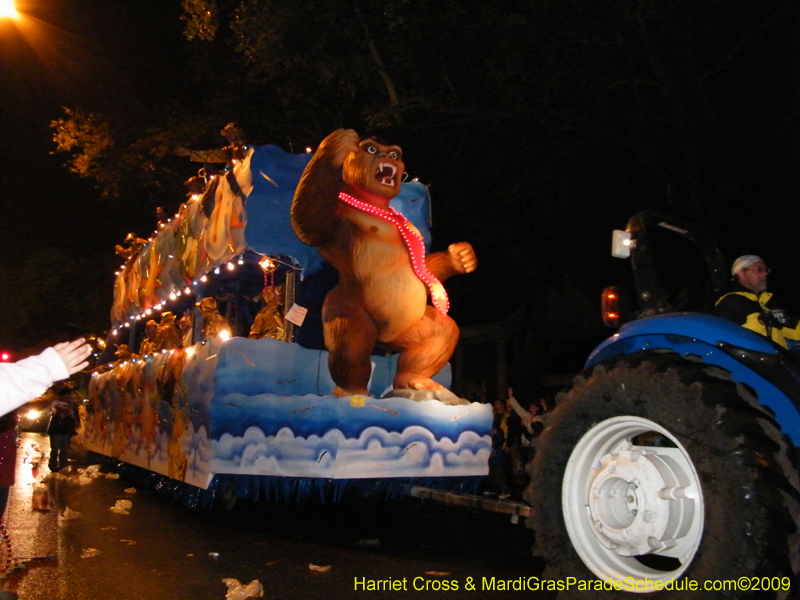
column 414, row 243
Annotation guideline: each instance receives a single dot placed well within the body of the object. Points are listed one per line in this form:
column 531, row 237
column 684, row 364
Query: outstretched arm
column 30, row 377
column 459, row 258
column 74, row 354
column 317, row 194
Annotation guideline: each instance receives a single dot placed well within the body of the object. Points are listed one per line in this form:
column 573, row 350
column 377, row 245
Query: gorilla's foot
column 340, row 392
column 443, row 395
column 411, row 381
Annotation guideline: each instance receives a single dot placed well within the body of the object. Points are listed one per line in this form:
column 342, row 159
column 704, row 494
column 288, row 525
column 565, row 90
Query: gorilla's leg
column 425, row 348
column 350, row 336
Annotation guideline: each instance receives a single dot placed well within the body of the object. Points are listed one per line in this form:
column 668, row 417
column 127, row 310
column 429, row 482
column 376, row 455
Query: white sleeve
column 518, row 408
column 28, row 378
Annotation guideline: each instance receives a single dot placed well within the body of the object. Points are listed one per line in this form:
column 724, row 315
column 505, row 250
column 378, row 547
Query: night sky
column 102, row 53
column 95, row 53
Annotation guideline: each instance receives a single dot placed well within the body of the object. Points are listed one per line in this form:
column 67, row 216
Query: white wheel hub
column 622, row 500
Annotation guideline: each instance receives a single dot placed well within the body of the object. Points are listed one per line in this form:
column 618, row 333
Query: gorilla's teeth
column 385, row 174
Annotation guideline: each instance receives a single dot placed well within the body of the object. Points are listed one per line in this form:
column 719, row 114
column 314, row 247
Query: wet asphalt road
column 162, row 550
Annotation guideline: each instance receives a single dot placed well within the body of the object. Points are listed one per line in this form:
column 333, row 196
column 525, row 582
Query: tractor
column 671, row 463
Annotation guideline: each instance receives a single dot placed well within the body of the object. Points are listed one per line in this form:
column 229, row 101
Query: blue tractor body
column 749, row 357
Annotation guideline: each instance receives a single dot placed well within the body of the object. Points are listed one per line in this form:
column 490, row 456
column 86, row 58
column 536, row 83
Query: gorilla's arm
column 459, row 258
column 317, row 195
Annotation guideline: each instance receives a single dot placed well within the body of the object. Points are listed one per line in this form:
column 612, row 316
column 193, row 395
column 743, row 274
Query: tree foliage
column 526, row 116
column 87, row 137
column 661, row 84
column 201, row 19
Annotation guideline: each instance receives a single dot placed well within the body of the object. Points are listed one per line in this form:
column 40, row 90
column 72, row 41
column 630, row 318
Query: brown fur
column 379, row 299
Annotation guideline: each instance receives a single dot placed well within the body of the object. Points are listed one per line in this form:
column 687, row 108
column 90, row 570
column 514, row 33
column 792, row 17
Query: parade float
column 220, row 382
column 670, row 461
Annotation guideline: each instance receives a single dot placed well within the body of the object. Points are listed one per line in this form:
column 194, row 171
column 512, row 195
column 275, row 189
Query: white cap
column 743, row 262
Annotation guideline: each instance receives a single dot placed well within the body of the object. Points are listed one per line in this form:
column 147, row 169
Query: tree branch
column 387, row 80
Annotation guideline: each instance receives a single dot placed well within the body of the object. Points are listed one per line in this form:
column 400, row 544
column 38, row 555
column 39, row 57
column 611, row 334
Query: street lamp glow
column 8, row 10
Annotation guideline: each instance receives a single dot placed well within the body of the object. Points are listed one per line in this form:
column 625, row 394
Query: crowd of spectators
column 514, row 429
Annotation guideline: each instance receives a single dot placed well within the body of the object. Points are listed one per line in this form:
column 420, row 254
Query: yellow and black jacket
column 758, row 313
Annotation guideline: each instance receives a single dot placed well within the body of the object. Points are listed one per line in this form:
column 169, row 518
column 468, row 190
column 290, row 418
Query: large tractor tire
column 654, row 471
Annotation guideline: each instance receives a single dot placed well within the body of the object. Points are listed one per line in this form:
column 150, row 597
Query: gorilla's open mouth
column 385, row 174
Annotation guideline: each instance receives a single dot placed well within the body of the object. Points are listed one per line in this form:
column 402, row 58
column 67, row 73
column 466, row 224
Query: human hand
column 74, row 354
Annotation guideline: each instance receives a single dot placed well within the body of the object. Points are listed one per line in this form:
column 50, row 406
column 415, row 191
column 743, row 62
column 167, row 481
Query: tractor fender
column 751, row 359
